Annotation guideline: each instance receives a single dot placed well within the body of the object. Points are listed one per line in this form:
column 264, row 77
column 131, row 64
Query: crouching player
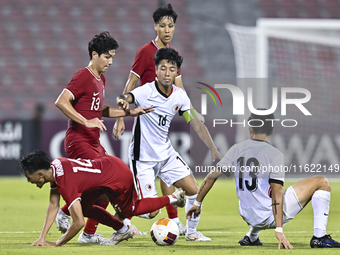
column 81, row 182
column 262, row 203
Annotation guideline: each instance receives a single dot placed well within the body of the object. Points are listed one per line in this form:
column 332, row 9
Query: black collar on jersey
column 160, row 92
column 258, row 140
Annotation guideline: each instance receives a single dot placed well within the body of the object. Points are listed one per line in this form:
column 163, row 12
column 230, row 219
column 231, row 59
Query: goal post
column 251, row 44
column 289, row 29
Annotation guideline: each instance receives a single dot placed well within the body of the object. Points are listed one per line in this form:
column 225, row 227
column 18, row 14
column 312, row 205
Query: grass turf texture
column 23, row 208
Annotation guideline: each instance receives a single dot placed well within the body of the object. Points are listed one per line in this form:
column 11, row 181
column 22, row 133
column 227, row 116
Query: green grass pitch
column 23, row 208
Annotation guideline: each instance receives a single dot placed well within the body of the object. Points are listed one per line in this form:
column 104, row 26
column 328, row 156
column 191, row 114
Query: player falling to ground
column 143, row 70
column 151, row 153
column 259, row 178
column 82, row 102
column 81, row 182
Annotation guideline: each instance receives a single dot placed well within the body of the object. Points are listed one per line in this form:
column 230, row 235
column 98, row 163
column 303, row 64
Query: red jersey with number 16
column 144, row 65
column 88, row 97
column 74, row 176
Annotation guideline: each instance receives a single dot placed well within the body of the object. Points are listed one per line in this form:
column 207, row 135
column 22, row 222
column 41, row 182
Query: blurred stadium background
column 44, row 42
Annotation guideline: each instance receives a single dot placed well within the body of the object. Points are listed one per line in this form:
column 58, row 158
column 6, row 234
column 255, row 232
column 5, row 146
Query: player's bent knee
column 323, row 183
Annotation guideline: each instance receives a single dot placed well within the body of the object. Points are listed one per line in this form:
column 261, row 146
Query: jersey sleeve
column 140, row 95
column 65, row 185
column 185, row 110
column 139, row 65
column 76, row 86
column 277, row 173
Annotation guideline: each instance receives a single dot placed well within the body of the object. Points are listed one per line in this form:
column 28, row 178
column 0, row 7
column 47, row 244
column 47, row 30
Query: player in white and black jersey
column 151, row 152
column 259, row 176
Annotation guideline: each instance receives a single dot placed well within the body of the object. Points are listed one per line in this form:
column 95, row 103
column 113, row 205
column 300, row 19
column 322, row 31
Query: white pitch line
column 210, row 232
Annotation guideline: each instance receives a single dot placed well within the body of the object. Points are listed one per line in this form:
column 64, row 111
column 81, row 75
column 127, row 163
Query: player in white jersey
column 259, row 176
column 151, row 152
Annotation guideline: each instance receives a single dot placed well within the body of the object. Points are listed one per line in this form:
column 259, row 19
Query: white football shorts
column 145, row 173
column 291, row 207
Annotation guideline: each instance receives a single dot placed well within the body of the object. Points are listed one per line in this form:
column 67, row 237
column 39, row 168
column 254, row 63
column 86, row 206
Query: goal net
column 301, row 53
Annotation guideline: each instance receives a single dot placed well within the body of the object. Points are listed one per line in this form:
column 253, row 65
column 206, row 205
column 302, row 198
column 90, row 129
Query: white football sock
column 123, row 229
column 191, row 224
column 320, row 204
column 127, row 222
column 253, row 234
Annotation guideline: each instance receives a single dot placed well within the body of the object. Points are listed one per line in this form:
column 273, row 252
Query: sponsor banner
column 16, row 137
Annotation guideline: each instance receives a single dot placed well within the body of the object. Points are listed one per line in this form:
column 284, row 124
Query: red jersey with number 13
column 88, row 97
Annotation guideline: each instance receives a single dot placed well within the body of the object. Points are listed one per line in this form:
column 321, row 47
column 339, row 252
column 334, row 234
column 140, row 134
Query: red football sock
column 65, row 210
column 99, row 214
column 172, row 211
column 91, row 224
column 147, row 205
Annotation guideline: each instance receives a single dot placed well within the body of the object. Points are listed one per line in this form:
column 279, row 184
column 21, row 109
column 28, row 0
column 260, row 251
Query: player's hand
column 50, row 244
column 38, row 242
column 283, row 240
column 118, row 128
column 95, row 123
column 123, row 104
column 141, row 110
column 196, row 210
column 215, row 154
column 43, row 243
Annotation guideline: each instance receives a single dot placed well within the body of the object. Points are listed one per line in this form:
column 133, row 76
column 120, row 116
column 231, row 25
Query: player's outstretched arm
column 207, row 184
column 77, row 224
column 112, row 112
column 203, row 133
column 277, row 206
column 119, row 126
column 52, row 210
column 63, row 102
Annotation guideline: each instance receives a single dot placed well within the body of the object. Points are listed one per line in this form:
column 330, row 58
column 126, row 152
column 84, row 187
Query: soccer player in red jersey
column 82, row 102
column 143, row 69
column 81, row 182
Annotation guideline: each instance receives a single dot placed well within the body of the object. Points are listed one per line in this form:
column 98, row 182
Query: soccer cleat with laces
column 95, row 238
column 198, row 237
column 182, row 228
column 245, row 241
column 179, row 194
column 118, row 237
column 324, row 242
column 63, row 221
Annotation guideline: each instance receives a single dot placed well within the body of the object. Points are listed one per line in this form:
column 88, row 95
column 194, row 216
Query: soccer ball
column 164, row 232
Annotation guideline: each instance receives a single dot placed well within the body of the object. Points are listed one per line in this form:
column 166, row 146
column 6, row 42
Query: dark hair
column 102, row 43
column 34, row 161
column 164, row 11
column 264, row 126
column 170, row 54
